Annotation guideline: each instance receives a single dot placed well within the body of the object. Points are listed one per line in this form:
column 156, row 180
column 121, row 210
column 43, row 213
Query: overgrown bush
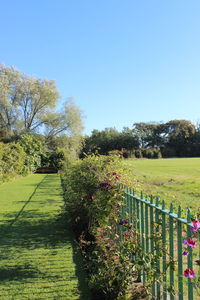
column 33, row 148
column 53, row 158
column 92, row 200
column 12, row 160
column 91, row 189
column 143, row 153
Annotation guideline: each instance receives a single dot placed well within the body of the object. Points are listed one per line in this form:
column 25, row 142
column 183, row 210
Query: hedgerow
column 92, row 200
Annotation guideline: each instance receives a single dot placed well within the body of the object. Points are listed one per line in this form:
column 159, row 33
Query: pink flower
column 91, row 197
column 190, row 243
column 189, row 273
column 196, row 226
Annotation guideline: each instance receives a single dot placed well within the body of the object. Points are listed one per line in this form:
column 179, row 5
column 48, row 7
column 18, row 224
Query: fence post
column 180, row 259
column 171, row 249
column 164, row 253
column 190, row 263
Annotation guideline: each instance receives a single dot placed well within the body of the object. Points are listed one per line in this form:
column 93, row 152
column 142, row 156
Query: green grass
column 38, row 258
column 174, row 180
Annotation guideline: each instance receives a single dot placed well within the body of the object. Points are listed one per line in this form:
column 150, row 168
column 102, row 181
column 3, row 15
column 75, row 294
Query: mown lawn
column 174, row 180
column 38, row 258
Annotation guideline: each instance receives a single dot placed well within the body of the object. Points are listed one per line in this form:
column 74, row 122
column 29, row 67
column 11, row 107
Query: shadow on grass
column 35, row 230
column 80, row 273
column 32, row 229
column 18, row 273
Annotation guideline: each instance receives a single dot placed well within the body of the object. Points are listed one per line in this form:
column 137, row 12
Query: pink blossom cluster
column 189, row 273
column 196, row 226
column 191, row 243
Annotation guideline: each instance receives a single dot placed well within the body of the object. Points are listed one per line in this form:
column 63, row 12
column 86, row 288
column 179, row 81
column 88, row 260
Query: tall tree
column 148, row 134
column 9, row 92
column 178, row 135
column 68, row 120
column 64, row 128
column 24, row 100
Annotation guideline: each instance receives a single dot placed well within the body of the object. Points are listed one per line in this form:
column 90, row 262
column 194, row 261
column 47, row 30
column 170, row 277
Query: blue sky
column 124, row 61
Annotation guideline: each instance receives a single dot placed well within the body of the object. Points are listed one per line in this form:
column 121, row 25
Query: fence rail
column 148, row 216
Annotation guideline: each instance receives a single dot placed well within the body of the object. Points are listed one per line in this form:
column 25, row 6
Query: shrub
column 54, row 158
column 138, row 153
column 92, row 199
column 32, row 147
column 12, row 159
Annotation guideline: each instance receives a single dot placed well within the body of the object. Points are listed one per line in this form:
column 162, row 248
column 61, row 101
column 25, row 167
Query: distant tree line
column 176, row 138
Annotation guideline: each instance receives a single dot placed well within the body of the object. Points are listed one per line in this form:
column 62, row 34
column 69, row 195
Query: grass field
column 174, row 180
column 38, row 258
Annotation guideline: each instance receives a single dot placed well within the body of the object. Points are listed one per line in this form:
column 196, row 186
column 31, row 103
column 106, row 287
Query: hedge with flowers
column 110, row 246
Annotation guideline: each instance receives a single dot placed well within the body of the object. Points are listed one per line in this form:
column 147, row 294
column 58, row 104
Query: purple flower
column 185, row 252
column 192, row 229
column 105, row 185
column 123, row 222
column 189, row 273
column 185, row 242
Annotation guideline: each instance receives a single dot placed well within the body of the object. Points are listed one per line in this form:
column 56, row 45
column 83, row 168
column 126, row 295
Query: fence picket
column 148, row 218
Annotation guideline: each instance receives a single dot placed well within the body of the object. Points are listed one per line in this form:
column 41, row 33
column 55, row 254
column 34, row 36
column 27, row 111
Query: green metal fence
column 144, row 214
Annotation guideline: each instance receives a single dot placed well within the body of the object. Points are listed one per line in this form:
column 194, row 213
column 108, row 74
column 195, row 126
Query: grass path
column 38, row 259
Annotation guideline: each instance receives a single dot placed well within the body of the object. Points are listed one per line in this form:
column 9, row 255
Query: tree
column 110, row 139
column 24, row 101
column 149, row 134
column 9, row 90
column 68, row 121
column 64, row 129
column 178, row 135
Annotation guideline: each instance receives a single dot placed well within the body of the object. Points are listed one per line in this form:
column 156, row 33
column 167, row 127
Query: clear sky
column 124, row 61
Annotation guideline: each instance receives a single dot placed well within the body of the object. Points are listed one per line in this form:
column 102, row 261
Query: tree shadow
column 32, row 229
column 38, row 228
column 18, row 273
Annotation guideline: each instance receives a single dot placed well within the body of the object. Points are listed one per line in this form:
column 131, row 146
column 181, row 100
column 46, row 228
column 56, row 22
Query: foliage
column 12, row 160
column 32, row 147
column 27, row 105
column 176, row 138
column 108, row 140
column 68, row 120
column 54, row 159
column 92, row 200
column 24, row 100
column 91, row 178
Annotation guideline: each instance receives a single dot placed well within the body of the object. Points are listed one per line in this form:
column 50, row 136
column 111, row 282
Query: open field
column 175, row 180
column 38, row 258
